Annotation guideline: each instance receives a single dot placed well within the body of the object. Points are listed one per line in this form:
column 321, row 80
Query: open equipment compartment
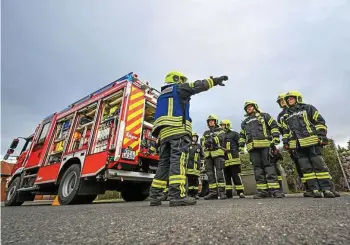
column 83, row 128
column 60, row 139
column 108, row 122
column 147, row 139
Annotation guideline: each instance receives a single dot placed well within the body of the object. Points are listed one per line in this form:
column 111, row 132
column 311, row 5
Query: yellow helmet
column 279, row 98
column 213, row 117
column 194, row 134
column 226, row 122
column 296, row 94
column 175, row 77
column 253, row 103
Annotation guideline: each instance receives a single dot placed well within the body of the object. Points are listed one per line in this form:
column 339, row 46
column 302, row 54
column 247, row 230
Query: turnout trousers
column 193, row 183
column 214, row 167
column 314, row 169
column 264, row 170
column 173, row 155
column 233, row 172
column 300, row 173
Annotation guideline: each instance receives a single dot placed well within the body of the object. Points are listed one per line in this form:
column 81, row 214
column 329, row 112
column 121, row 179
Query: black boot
column 308, row 193
column 328, row 194
column 317, row 194
column 222, row 196
column 155, row 202
column 261, row 195
column 211, row 196
column 336, row 194
column 277, row 194
column 229, row 194
column 186, row 201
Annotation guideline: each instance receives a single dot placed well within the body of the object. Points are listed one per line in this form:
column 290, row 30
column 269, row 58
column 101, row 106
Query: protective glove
column 241, row 150
column 219, row 80
column 322, row 140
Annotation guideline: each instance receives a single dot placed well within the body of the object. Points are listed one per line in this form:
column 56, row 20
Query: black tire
column 135, row 192
column 69, row 186
column 12, row 193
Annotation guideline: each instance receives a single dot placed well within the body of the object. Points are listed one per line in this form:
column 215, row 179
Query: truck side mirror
column 8, row 153
column 14, row 144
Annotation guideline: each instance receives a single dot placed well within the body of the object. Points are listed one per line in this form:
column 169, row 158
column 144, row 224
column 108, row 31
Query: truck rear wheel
column 12, row 194
column 69, row 186
column 133, row 192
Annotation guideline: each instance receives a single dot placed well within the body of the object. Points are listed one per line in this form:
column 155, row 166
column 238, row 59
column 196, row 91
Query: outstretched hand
column 219, row 80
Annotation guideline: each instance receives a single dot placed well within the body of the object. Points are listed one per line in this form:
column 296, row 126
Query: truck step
column 33, row 188
column 129, row 175
column 30, row 176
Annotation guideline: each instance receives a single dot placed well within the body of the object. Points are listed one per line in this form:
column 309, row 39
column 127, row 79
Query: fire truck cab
column 96, row 144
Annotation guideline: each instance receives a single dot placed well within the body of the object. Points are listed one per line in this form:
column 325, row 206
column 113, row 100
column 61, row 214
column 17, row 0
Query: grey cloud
column 55, row 53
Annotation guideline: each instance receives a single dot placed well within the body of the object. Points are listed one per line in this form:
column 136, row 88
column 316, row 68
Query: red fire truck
column 98, row 143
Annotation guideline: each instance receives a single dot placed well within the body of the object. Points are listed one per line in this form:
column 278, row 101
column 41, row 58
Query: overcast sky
column 56, row 52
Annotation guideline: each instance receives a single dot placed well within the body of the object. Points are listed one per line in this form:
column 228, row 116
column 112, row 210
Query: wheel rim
column 69, row 184
column 11, row 192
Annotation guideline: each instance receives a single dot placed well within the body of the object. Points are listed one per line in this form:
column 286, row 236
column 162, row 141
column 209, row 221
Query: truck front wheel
column 12, row 193
column 69, row 185
column 133, row 192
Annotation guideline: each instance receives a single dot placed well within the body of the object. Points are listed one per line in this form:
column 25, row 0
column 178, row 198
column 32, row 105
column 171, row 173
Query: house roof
column 6, row 168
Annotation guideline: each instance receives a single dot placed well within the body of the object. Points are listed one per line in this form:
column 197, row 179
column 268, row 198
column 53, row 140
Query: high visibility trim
column 279, row 177
column 193, row 172
column 191, row 84
column 195, row 188
column 261, row 186
column 228, row 145
column 303, row 180
column 179, row 180
column 292, row 144
column 173, row 120
column 239, row 187
column 274, row 131
column 170, row 131
column 315, row 116
column 309, row 176
column 191, row 187
column 320, row 126
column 135, row 96
column 166, row 189
column 228, row 187
column 308, row 141
column 233, row 161
column 212, row 186
column 160, row 184
column 170, row 107
column 307, row 122
column 270, row 122
column 322, row 175
column 221, row 184
column 210, row 82
column 273, row 185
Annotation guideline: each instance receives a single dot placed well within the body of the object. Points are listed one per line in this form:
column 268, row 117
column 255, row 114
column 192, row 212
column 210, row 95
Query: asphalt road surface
column 293, row 220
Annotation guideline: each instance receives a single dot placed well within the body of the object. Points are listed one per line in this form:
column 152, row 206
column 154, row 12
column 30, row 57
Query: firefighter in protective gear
column 305, row 131
column 193, row 166
column 173, row 127
column 212, row 142
column 259, row 132
column 232, row 168
column 282, row 104
column 276, row 156
column 154, row 149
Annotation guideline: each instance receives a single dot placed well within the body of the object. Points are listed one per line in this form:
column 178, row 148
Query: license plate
column 128, row 154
